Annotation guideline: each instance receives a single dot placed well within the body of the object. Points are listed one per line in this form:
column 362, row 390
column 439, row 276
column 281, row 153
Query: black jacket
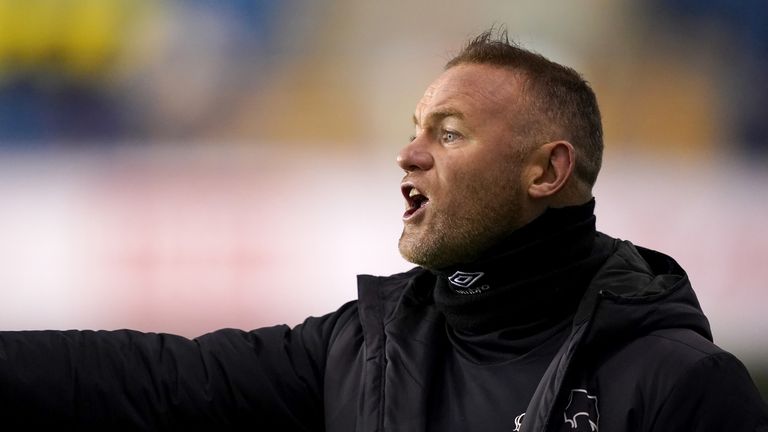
column 639, row 357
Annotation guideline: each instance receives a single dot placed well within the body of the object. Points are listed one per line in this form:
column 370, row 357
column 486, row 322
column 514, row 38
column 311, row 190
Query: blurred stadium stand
column 166, row 165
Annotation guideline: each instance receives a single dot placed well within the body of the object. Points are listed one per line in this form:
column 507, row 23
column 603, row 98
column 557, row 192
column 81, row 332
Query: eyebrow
column 437, row 116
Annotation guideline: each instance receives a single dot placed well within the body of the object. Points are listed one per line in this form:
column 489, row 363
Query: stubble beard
column 459, row 235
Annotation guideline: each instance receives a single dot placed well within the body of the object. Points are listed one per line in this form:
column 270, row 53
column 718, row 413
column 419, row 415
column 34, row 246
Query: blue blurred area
column 744, row 57
column 745, row 19
column 34, row 115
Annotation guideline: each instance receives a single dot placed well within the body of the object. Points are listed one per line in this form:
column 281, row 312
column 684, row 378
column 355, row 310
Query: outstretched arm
column 271, row 377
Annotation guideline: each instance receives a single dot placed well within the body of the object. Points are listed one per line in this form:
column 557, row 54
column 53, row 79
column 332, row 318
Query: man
column 521, row 317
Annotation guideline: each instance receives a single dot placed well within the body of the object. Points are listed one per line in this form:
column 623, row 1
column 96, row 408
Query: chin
column 410, row 253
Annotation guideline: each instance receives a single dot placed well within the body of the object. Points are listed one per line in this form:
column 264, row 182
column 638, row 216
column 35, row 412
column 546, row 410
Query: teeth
column 413, row 193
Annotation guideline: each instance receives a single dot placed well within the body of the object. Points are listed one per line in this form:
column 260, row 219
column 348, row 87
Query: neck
column 531, row 280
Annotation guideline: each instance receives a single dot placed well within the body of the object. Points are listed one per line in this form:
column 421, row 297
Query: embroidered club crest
column 581, row 412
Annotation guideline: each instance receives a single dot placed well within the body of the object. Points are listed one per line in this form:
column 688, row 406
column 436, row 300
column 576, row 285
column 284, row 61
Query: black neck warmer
column 531, row 281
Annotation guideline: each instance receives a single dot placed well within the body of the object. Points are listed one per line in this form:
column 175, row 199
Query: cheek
column 478, row 178
column 471, row 185
column 497, row 180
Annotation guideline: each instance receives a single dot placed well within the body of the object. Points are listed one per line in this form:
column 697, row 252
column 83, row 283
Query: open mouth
column 415, row 200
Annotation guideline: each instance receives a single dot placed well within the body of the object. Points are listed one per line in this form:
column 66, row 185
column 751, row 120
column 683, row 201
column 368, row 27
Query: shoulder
column 715, row 392
column 394, row 282
column 655, row 361
column 673, row 379
column 377, row 295
column 380, row 296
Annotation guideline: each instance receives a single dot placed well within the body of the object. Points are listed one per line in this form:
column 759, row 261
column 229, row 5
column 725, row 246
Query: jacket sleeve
column 715, row 394
column 266, row 379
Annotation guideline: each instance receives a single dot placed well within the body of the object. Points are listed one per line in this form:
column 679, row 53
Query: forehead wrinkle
column 476, row 91
column 439, row 115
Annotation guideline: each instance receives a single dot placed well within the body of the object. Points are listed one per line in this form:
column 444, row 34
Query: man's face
column 463, row 184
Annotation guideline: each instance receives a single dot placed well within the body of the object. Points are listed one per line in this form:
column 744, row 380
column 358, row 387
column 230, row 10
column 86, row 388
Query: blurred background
column 186, row 165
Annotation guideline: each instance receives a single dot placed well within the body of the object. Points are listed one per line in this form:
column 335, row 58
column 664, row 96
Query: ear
column 552, row 163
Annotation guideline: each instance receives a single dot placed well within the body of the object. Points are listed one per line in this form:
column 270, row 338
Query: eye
column 448, row 136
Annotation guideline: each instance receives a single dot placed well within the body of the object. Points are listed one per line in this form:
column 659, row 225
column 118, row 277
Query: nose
column 415, row 156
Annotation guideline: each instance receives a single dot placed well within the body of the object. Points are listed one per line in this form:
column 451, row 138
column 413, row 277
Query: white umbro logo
column 464, row 279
